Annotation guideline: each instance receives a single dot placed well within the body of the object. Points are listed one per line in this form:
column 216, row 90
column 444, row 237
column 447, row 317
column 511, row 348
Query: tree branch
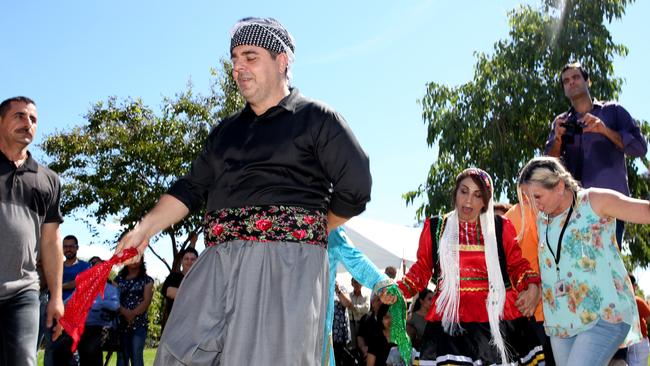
column 161, row 258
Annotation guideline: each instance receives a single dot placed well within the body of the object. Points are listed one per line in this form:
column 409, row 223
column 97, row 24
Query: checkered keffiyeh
column 267, row 33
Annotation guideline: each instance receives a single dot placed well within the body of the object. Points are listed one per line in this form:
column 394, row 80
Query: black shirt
column 173, row 280
column 298, row 153
column 380, row 348
column 368, row 325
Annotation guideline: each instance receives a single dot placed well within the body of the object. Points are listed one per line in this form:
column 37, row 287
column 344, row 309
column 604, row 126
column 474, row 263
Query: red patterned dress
column 472, row 345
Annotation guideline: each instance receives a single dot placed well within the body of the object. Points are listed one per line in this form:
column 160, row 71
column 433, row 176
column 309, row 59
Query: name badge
column 560, row 289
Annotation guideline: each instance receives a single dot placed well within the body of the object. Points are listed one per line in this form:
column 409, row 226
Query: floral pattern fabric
column 341, row 324
column 131, row 295
column 265, row 224
column 594, row 281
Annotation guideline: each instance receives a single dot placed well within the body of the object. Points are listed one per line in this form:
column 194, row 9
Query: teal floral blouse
column 592, row 282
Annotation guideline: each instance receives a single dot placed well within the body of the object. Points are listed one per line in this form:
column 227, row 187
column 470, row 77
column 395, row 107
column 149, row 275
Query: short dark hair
column 72, row 237
column 575, row 65
column 6, row 104
column 391, row 272
column 188, row 250
column 633, row 280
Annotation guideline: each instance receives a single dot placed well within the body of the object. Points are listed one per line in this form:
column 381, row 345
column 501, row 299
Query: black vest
column 437, row 227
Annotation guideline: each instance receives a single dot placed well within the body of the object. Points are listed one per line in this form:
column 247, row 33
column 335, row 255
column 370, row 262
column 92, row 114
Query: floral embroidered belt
column 265, row 224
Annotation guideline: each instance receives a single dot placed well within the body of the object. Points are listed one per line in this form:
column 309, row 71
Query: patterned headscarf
column 482, row 175
column 262, row 32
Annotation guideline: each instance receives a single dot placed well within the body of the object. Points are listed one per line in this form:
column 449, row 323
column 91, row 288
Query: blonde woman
column 589, row 306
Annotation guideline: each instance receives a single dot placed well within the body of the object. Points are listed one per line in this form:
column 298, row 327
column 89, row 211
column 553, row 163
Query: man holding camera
column 593, row 137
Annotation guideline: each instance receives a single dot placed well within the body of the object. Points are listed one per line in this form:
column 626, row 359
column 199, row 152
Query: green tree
column 118, row 163
column 154, row 314
column 501, row 119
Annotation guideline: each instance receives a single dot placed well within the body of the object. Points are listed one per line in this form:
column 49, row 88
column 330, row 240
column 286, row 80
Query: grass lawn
column 149, row 355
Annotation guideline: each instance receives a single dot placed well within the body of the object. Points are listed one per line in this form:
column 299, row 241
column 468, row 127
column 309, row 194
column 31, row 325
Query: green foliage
column 154, row 313
column 125, row 156
column 637, row 237
column 230, row 100
column 501, row 119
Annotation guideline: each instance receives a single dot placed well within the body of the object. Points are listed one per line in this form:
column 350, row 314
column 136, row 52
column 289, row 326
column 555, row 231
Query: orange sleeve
column 644, row 309
column 521, row 274
column 514, row 215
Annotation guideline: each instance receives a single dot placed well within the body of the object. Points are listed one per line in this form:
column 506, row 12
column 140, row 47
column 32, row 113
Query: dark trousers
column 61, row 353
column 19, row 329
column 90, row 346
column 343, row 356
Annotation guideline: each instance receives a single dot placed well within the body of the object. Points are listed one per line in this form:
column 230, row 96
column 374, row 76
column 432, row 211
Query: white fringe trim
column 449, row 298
column 497, row 292
column 448, row 301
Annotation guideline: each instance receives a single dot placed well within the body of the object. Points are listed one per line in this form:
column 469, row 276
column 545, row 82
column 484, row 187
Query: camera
column 572, row 128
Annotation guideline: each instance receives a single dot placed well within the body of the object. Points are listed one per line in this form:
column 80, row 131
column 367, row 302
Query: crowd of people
column 541, row 282
column 117, row 321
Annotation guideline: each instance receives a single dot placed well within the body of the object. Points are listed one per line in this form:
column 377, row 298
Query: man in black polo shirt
column 29, row 223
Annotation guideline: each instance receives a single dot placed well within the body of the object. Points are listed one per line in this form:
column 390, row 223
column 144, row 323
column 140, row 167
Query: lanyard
column 559, row 240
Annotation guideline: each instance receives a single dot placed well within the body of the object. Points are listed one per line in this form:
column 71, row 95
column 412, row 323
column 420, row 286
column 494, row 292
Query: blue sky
column 369, row 60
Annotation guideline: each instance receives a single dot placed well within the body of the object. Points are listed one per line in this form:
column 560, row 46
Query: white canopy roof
column 384, row 243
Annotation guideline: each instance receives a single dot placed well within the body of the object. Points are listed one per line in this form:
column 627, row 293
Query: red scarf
column 89, row 284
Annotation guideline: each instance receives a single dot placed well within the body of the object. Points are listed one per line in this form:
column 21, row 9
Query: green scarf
column 398, row 324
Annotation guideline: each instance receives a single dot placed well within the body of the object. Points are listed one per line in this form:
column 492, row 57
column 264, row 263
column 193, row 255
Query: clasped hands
column 528, row 299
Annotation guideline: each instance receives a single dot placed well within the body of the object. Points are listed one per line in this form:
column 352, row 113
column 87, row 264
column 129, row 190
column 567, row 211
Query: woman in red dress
column 485, row 289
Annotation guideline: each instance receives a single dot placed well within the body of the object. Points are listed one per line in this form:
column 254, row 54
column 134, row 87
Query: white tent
column 383, row 243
